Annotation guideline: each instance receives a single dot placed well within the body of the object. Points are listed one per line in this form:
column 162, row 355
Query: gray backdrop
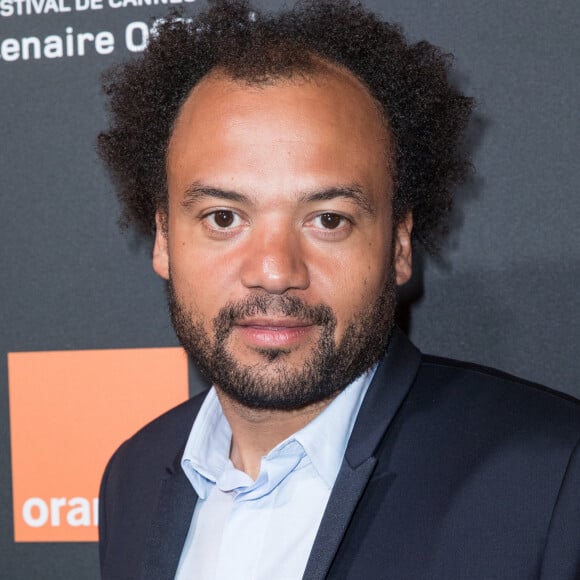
column 504, row 294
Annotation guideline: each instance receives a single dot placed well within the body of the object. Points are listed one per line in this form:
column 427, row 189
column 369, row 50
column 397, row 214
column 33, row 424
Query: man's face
column 279, row 246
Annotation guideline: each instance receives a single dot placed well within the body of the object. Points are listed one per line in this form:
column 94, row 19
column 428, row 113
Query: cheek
column 362, row 280
column 351, row 293
column 203, row 282
column 359, row 273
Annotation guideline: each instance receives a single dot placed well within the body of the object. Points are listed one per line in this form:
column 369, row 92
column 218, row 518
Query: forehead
column 325, row 126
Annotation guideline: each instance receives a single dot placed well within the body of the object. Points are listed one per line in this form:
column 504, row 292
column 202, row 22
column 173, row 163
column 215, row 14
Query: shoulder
column 159, row 443
column 488, row 440
column 473, row 378
column 475, row 396
column 130, row 487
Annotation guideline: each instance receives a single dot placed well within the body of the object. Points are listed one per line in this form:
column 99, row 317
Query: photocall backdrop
column 87, row 351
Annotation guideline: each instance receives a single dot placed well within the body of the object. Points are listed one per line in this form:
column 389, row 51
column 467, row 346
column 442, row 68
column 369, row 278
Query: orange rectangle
column 69, row 411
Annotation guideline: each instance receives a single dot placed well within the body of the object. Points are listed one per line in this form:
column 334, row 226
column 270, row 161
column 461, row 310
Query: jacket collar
column 389, row 387
column 172, row 516
column 386, row 392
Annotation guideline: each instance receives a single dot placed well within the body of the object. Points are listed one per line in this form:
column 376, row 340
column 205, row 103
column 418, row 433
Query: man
column 284, row 165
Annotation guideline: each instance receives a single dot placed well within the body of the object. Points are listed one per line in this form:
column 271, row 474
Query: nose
column 274, row 261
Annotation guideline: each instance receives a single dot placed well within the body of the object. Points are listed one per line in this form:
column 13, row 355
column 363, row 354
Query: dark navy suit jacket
column 451, row 472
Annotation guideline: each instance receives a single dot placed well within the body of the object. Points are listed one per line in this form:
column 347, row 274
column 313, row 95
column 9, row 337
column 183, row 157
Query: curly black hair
column 425, row 113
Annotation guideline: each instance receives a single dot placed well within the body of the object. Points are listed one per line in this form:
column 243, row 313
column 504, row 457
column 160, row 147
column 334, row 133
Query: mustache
column 272, row 305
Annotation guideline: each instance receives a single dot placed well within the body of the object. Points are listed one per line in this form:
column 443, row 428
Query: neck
column 255, row 432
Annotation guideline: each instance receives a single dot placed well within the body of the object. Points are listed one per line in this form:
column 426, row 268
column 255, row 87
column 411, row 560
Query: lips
column 273, row 332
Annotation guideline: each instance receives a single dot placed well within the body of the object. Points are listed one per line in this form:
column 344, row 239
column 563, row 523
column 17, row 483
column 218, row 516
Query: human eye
column 223, row 218
column 330, row 221
column 330, row 225
column 222, row 222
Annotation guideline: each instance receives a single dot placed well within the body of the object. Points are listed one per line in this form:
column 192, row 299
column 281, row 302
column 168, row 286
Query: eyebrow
column 198, row 191
column 352, row 192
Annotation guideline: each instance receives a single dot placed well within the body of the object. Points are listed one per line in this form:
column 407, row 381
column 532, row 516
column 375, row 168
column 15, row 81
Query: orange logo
column 69, row 411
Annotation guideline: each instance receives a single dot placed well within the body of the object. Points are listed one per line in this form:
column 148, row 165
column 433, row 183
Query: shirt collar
column 324, row 439
column 208, row 447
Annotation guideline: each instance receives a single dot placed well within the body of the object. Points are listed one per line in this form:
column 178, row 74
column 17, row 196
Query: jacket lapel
column 347, row 490
column 169, row 526
column 387, row 391
column 172, row 516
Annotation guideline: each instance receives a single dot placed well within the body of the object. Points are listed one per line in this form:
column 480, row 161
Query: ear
column 403, row 257
column 160, row 253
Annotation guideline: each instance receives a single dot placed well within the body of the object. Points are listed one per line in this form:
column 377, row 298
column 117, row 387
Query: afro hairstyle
column 425, row 113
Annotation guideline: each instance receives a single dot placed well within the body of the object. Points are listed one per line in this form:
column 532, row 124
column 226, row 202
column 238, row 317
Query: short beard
column 276, row 384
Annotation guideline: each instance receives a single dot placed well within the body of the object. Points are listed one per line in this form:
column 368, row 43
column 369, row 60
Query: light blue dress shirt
column 262, row 530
